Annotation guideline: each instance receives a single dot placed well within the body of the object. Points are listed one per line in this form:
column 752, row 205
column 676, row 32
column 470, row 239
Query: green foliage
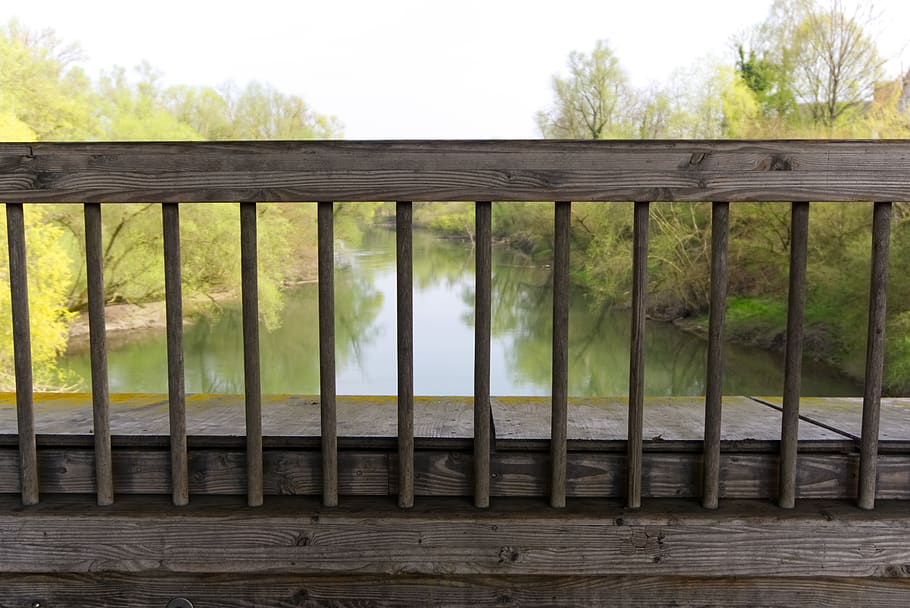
column 48, row 277
column 591, row 102
column 40, row 88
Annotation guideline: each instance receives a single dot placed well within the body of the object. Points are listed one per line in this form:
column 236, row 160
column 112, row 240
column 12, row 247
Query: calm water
column 443, row 338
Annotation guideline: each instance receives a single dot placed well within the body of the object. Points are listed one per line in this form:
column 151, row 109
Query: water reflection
column 443, row 337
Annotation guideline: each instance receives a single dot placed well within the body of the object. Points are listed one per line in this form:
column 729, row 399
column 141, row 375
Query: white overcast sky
column 406, row 68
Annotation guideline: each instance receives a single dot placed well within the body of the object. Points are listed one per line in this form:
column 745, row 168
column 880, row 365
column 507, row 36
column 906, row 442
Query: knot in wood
column 508, row 555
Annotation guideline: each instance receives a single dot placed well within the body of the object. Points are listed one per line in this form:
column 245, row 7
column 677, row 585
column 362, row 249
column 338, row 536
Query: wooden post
column 404, row 254
column 560, row 394
column 176, row 383
column 637, row 354
column 875, row 355
column 251, row 364
column 22, row 354
column 720, row 213
column 789, row 433
column 483, row 251
column 327, row 396
column 98, row 348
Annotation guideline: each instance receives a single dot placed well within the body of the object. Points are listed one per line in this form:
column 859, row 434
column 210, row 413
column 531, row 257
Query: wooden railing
column 640, row 171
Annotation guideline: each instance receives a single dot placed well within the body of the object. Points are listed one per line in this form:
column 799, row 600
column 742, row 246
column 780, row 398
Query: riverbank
column 126, row 322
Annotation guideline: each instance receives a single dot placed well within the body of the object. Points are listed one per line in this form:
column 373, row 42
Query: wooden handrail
column 476, row 171
column 538, row 170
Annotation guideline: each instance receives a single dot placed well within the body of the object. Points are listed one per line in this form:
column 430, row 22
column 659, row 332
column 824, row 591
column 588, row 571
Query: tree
column 813, row 63
column 258, row 111
column 593, row 101
column 48, row 270
column 41, row 88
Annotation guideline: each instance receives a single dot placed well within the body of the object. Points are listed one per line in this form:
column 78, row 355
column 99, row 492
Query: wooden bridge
column 725, row 500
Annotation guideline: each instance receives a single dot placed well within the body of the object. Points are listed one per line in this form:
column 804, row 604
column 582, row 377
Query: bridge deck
column 666, row 419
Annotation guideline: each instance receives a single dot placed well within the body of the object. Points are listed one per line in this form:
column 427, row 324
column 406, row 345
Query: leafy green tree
column 41, row 88
column 812, row 64
column 592, row 101
column 48, row 276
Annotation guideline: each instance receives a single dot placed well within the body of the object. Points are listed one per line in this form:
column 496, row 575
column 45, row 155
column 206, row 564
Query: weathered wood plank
column 451, row 537
column 875, row 354
column 560, row 369
column 483, row 312
column 153, row 590
column 720, row 213
column 796, row 304
column 328, row 418
column 637, row 352
column 176, row 382
column 252, row 386
column 94, row 275
column 450, row 473
column 456, row 170
column 668, row 421
column 22, row 355
column 404, row 263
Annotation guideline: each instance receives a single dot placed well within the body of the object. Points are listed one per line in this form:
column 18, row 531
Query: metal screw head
column 180, row 602
column 38, row 604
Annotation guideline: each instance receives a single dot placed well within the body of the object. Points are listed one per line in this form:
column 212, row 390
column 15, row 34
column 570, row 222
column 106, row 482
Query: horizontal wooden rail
column 456, row 170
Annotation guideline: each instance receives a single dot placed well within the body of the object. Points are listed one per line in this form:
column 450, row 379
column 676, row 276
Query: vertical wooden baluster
column 22, row 353
column 875, row 354
column 789, row 434
column 251, row 364
column 560, row 394
column 98, row 346
column 637, row 360
column 720, row 213
column 483, row 244
column 327, row 396
column 404, row 254
column 176, row 387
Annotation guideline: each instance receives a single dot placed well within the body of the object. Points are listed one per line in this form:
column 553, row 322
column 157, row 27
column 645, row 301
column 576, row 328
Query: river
column 443, row 338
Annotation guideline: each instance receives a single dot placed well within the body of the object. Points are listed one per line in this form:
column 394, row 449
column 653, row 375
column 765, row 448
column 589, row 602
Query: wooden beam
column 155, row 590
column 94, row 274
column 796, row 304
column 514, row 473
column 720, row 213
column 560, row 392
column 405, row 296
column 637, row 353
column 176, row 382
column 328, row 420
column 251, row 364
column 449, row 537
column 22, row 354
column 875, row 354
column 541, row 170
column 483, row 416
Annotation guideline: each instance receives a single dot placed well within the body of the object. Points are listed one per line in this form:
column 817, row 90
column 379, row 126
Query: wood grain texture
column 252, row 386
column 404, row 264
column 560, row 378
column 328, row 417
column 793, row 364
column 94, row 276
column 154, row 590
column 22, row 354
column 370, row 472
column 176, row 382
column 637, row 352
column 701, row 170
column 720, row 214
column 483, row 312
column 875, row 354
column 295, row 536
